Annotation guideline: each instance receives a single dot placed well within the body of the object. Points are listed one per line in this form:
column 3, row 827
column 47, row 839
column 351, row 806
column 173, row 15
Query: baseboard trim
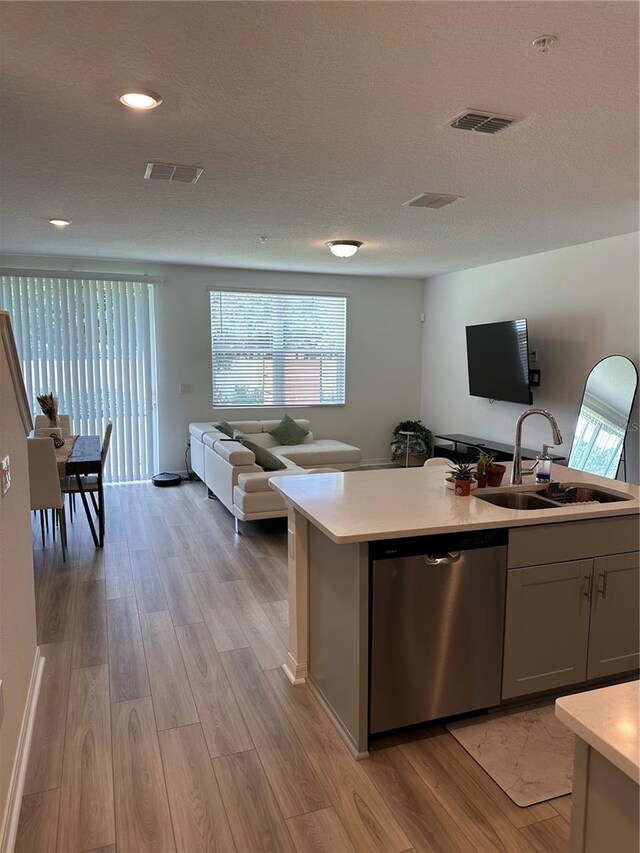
column 376, row 463
column 295, row 672
column 9, row 828
column 337, row 722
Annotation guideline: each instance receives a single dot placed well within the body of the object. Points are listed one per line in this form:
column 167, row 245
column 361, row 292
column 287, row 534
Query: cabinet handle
column 587, row 590
column 442, row 559
column 602, row 584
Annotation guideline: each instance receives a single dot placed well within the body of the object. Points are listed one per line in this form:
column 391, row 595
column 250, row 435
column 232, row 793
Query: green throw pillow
column 223, row 426
column 289, row 432
column 264, row 459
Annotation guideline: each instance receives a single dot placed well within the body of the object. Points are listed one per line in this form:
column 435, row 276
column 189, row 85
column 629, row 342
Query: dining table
column 81, row 455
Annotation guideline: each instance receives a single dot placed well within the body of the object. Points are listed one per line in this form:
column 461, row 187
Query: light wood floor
column 165, row 722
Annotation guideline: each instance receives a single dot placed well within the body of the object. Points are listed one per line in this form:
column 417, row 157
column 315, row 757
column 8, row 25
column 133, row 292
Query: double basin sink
column 553, row 496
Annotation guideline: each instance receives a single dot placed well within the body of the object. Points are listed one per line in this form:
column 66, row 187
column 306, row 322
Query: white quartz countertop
column 360, row 506
column 607, row 719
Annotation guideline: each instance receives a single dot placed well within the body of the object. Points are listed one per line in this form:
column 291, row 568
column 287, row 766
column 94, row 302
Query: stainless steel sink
column 552, row 497
column 517, row 500
column 573, row 493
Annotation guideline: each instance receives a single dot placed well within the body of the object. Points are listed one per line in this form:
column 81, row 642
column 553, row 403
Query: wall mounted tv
column 498, row 360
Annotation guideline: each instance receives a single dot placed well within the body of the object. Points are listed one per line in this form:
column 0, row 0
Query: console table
column 466, row 447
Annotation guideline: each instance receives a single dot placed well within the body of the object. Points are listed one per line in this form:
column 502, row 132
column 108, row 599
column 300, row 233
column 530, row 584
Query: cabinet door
column 546, row 627
column 614, row 644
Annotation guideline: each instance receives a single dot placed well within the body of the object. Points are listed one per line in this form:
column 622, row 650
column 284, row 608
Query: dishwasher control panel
column 412, row 546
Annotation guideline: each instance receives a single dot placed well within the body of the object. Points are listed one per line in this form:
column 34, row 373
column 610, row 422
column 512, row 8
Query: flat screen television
column 498, row 361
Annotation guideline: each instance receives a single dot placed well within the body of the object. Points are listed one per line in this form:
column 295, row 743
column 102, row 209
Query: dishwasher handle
column 442, row 559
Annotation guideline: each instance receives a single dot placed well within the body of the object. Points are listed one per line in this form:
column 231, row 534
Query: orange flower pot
column 462, row 488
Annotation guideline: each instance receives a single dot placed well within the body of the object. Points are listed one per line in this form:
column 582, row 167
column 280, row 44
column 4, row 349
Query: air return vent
column 482, row 121
column 434, row 201
column 170, row 172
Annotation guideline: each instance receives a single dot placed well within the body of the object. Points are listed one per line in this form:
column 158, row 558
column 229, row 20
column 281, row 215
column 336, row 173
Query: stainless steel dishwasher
column 437, row 621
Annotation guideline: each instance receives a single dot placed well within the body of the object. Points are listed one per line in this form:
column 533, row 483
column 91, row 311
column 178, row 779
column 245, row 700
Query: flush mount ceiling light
column 344, row 248
column 139, row 99
column 59, row 223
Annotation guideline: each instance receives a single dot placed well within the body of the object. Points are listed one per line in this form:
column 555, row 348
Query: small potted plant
column 463, row 475
column 483, row 462
column 412, row 444
column 495, row 473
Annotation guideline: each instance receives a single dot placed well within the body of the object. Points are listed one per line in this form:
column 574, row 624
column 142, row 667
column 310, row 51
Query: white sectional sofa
column 230, row 472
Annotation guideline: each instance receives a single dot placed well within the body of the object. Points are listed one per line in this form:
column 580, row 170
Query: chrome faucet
column 516, row 471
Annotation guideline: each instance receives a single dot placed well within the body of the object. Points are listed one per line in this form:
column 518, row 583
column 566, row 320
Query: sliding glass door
column 92, row 342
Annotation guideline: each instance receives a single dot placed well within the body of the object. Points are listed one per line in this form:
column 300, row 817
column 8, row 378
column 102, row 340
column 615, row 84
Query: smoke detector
column 482, row 121
column 434, row 201
column 171, row 172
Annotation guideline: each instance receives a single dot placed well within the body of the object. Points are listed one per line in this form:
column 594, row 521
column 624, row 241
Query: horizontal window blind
column 90, row 341
column 277, row 349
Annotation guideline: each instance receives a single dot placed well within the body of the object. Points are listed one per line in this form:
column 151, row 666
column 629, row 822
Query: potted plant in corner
column 463, row 476
column 412, row 444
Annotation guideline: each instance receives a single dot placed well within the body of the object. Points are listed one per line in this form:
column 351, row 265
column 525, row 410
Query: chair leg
column 46, row 519
column 42, row 515
column 72, row 506
column 62, row 516
column 54, row 523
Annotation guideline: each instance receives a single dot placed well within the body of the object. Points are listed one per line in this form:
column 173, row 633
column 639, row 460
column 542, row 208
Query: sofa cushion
column 264, row 458
column 247, row 427
column 288, row 432
column 263, row 439
column 260, row 482
column 223, row 426
column 269, row 425
column 323, row 451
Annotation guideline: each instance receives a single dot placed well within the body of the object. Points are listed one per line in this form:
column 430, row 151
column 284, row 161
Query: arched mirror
column 598, row 442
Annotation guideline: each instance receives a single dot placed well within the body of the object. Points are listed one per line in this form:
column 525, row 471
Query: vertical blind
column 91, row 342
column 277, row 349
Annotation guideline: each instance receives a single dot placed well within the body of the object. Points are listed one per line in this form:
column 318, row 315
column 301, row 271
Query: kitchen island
column 605, row 813
column 558, row 559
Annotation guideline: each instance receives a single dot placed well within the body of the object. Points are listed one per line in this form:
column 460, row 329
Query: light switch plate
column 6, row 475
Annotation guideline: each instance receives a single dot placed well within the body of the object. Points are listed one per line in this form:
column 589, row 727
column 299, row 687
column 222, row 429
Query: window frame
column 280, row 291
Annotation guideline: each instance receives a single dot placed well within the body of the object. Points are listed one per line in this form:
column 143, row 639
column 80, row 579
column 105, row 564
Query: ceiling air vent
column 482, row 122
column 170, row 172
column 434, row 201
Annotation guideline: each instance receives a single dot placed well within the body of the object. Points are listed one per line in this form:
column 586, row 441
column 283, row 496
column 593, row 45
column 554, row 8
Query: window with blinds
column 277, row 349
column 91, row 342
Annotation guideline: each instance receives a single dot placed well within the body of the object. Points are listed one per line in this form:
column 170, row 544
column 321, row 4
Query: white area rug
column 528, row 752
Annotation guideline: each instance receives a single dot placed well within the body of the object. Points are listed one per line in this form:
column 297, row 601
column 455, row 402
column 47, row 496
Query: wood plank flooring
column 166, row 724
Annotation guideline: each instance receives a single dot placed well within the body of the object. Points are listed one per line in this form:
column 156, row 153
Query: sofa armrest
column 260, row 482
column 233, row 452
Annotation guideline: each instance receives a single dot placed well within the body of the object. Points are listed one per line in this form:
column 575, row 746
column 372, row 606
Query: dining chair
column 435, row 461
column 90, row 482
column 42, row 421
column 44, row 486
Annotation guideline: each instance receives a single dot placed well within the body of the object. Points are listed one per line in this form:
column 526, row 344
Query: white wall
column 17, row 601
column 581, row 303
column 384, row 340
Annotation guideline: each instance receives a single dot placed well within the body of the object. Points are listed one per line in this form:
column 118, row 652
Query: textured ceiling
column 316, row 121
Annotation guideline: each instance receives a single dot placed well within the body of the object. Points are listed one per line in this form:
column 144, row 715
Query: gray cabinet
column 615, row 628
column 546, row 627
column 570, row 621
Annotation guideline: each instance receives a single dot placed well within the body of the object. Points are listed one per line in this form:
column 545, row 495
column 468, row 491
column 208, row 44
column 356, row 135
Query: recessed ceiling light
column 344, row 248
column 140, row 99
column 60, row 223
